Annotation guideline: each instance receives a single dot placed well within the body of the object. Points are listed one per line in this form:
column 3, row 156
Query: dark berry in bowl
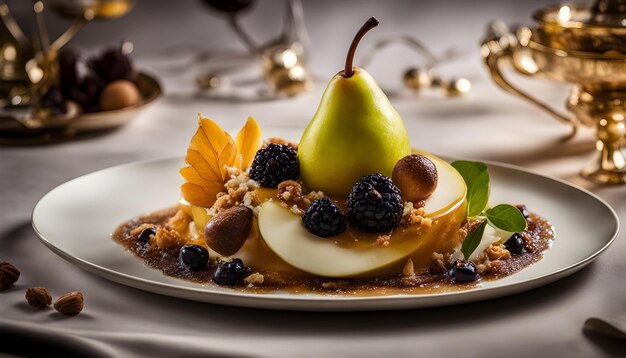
column 145, row 235
column 194, row 257
column 229, row 6
column 463, row 272
column 515, row 244
column 324, row 218
column 375, row 204
column 68, row 68
column 275, row 164
column 230, row 273
column 92, row 85
column 54, row 101
column 114, row 65
column 87, row 93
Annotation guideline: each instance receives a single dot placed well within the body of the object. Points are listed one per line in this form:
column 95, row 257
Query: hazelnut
column 119, row 94
column 70, row 303
column 8, row 275
column 38, row 297
column 228, row 230
column 416, row 177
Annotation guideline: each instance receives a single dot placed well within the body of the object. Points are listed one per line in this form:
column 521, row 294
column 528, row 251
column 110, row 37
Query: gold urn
column 586, row 47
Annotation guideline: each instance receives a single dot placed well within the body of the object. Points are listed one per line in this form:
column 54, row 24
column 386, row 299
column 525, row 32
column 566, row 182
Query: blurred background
column 169, row 37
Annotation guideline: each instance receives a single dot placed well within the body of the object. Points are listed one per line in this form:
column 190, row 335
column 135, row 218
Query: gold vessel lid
column 91, row 9
column 598, row 29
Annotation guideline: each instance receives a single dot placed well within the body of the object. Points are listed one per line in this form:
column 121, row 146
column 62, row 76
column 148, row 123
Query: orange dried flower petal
column 249, row 141
column 211, row 151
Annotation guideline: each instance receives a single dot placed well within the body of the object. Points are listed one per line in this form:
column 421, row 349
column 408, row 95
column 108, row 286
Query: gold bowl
column 25, row 129
column 572, row 45
column 579, row 28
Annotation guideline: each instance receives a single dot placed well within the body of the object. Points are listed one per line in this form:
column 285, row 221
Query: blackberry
column 54, row 101
column 114, row 65
column 68, row 69
column 375, row 204
column 324, row 218
column 463, row 272
column 274, row 164
column 230, row 273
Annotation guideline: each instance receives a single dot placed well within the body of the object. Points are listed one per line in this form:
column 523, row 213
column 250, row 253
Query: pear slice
column 285, row 235
column 450, row 188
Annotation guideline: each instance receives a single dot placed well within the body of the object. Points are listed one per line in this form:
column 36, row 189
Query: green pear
column 355, row 131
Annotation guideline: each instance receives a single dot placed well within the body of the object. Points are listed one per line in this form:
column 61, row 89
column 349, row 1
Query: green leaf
column 476, row 177
column 472, row 240
column 506, row 217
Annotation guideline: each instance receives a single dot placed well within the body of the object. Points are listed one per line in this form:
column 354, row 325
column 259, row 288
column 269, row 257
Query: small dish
column 12, row 131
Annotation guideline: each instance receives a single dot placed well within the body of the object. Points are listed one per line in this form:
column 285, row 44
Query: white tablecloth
column 486, row 124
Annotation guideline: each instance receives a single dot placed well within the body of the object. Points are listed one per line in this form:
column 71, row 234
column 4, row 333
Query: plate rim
column 343, row 301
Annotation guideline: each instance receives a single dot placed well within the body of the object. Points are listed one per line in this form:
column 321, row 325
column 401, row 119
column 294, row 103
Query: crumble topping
column 334, row 285
column 437, row 256
column 311, row 197
column 254, row 279
column 494, row 267
column 383, row 240
column 180, row 221
column 166, row 238
column 296, row 210
column 440, row 263
column 409, row 269
column 239, row 191
column 412, row 215
column 291, row 196
column 438, row 267
column 282, row 141
column 290, row 191
column 529, row 244
column 497, row 252
column 481, row 268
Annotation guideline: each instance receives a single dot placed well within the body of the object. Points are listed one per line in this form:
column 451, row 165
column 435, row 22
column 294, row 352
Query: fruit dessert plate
column 348, row 213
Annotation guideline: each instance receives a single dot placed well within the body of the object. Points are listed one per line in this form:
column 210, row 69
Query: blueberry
column 515, row 244
column 194, row 257
column 230, row 273
column 145, row 234
column 463, row 272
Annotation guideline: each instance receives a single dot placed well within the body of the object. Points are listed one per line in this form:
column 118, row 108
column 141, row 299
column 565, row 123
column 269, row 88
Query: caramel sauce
column 281, row 277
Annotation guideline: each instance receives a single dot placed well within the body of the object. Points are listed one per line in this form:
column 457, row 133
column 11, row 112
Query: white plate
column 75, row 221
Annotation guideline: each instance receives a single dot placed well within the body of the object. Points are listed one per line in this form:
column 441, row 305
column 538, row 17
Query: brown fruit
column 228, row 230
column 70, row 303
column 8, row 275
column 416, row 177
column 38, row 297
column 119, row 94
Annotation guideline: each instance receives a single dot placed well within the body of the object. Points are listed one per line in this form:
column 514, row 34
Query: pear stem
column 371, row 23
